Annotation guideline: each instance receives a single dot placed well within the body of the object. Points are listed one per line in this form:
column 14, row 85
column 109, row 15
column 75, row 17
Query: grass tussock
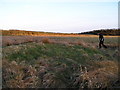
column 47, row 40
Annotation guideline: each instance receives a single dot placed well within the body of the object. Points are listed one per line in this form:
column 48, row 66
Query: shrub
column 46, row 40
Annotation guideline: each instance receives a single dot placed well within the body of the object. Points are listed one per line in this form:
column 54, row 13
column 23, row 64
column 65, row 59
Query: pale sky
column 65, row 16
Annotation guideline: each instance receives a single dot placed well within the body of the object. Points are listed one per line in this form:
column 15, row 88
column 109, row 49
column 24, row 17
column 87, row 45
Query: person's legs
column 104, row 45
column 100, row 44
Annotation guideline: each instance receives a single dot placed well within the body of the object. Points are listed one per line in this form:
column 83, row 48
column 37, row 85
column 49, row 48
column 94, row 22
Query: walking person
column 101, row 41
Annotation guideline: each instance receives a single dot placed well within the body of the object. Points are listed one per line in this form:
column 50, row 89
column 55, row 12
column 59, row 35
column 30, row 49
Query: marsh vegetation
column 59, row 62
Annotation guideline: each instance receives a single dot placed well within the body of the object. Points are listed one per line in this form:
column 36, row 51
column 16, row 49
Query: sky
column 65, row 16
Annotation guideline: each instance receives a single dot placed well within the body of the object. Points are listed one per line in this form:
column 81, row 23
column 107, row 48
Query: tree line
column 113, row 32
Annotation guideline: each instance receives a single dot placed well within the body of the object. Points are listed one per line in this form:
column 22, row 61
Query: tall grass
column 93, row 41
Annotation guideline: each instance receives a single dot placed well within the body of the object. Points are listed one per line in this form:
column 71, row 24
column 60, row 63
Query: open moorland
column 59, row 62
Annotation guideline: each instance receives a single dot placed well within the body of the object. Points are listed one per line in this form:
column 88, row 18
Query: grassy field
column 59, row 62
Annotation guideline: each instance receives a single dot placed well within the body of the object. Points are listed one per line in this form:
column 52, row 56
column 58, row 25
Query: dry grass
column 47, row 40
column 27, row 76
column 99, row 77
column 81, row 39
column 18, row 76
column 102, row 74
column 14, row 40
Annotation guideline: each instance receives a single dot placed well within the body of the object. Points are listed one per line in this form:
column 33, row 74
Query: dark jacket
column 101, row 38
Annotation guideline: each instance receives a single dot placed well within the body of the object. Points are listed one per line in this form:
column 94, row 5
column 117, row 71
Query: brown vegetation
column 102, row 74
column 14, row 40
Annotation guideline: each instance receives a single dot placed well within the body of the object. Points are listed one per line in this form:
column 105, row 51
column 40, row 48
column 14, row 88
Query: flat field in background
column 59, row 62
column 93, row 39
